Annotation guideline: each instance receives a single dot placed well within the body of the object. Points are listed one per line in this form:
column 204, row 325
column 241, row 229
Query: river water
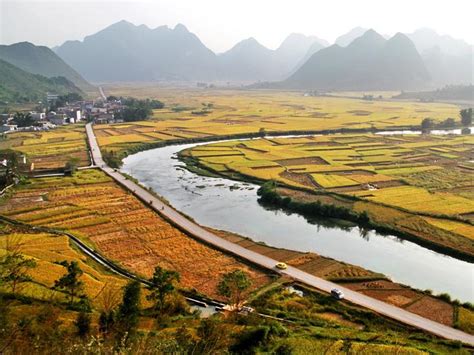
column 229, row 205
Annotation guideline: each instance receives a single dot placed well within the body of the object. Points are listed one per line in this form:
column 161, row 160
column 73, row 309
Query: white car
column 337, row 294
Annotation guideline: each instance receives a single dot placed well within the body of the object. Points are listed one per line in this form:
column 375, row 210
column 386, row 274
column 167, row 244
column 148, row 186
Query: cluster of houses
column 99, row 112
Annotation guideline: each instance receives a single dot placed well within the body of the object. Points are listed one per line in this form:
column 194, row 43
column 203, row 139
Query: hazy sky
column 220, row 24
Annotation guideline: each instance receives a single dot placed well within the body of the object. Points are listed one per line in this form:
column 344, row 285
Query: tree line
column 136, row 109
column 465, row 116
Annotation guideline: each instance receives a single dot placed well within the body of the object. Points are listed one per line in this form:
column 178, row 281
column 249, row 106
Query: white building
column 38, row 116
column 7, row 128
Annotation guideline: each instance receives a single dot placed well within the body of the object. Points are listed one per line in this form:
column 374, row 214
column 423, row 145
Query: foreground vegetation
column 64, row 302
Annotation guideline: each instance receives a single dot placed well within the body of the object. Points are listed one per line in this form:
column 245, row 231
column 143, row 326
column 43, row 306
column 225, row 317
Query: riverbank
column 424, row 227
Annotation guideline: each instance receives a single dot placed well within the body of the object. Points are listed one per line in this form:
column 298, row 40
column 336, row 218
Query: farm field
column 244, row 112
column 47, row 250
column 317, row 321
column 376, row 170
column 112, row 220
column 49, row 150
column 373, row 284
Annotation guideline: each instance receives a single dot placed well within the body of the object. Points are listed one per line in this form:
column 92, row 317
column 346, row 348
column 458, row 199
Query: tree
column 448, row 123
column 466, row 116
column 83, row 324
column 233, row 286
column 22, row 119
column 129, row 309
column 106, row 321
column 212, row 337
column 162, row 284
column 71, row 165
column 427, row 124
column 70, row 282
column 14, row 266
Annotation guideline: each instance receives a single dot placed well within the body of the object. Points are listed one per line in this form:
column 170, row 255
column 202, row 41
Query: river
column 229, row 205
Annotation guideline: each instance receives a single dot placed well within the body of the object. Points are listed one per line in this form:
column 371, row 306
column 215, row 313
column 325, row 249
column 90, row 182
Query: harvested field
column 240, row 112
column 91, row 206
column 411, row 300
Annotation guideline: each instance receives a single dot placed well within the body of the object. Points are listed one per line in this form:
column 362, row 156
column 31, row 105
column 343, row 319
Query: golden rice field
column 112, row 220
column 242, row 112
column 50, row 149
column 47, row 250
column 403, row 172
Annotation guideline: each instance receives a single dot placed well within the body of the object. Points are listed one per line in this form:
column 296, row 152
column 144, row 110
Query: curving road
column 200, row 233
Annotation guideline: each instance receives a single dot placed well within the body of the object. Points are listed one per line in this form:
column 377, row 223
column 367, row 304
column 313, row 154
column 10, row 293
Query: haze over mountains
column 18, row 85
column 40, row 60
column 129, row 53
column 370, row 62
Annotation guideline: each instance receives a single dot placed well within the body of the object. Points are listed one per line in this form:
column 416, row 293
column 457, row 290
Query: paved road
column 269, row 263
column 102, row 94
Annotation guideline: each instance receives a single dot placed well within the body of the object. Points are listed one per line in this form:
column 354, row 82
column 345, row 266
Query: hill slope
column 17, row 85
column 370, row 62
column 41, row 60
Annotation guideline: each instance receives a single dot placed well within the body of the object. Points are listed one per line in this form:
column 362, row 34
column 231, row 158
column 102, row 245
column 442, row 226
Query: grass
column 332, row 327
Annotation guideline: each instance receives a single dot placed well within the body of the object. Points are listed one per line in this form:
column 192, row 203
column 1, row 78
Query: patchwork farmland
column 108, row 218
column 378, row 171
column 245, row 112
column 50, row 150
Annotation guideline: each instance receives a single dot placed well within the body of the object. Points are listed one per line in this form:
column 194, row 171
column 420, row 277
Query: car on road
column 337, row 294
column 281, row 266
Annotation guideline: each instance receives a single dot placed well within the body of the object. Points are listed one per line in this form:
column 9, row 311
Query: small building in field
column 38, row 116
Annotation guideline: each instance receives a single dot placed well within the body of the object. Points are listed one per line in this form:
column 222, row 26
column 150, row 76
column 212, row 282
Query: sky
column 222, row 23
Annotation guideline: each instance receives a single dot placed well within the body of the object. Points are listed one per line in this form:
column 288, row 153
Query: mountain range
column 125, row 52
column 450, row 61
column 17, row 85
column 359, row 60
column 370, row 62
column 42, row 61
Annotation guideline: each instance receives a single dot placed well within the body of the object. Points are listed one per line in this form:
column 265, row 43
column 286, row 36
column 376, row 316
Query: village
column 62, row 110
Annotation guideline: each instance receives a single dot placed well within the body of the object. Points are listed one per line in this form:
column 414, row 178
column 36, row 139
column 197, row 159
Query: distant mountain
column 370, row 62
column 296, row 47
column 125, row 52
column 457, row 92
column 40, row 60
column 427, row 39
column 450, row 61
column 350, row 36
column 17, row 85
column 315, row 47
column 249, row 60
